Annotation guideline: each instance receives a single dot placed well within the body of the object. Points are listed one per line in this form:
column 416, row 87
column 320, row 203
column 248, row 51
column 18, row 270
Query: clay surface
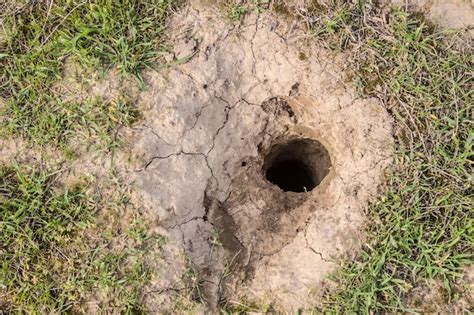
column 209, row 125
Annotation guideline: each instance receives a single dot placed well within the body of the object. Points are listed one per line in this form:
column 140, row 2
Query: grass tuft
column 62, row 252
column 39, row 36
column 37, row 225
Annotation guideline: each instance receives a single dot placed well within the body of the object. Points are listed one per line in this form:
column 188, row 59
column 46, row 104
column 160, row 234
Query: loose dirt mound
column 224, row 136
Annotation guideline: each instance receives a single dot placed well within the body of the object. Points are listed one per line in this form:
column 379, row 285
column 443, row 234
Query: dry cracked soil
column 256, row 159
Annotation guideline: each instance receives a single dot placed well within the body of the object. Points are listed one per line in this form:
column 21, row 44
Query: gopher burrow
column 258, row 157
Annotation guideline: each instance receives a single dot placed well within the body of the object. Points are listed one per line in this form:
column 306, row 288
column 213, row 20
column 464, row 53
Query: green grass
column 92, row 121
column 62, row 248
column 422, row 227
column 40, row 36
column 65, row 249
column 36, row 224
column 235, row 12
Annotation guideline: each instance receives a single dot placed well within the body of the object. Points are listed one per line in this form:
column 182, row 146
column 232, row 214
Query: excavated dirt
column 222, row 140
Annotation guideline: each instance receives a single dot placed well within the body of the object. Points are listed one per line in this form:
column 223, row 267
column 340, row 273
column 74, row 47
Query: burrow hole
column 298, row 165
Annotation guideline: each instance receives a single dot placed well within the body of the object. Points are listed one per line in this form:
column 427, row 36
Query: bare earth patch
column 210, row 127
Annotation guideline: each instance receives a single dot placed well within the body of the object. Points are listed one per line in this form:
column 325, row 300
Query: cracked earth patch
column 259, row 163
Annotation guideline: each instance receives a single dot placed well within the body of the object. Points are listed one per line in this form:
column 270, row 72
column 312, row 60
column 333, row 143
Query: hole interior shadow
column 298, row 165
column 291, row 175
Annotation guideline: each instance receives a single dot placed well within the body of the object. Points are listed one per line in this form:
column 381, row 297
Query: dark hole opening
column 291, row 175
column 298, row 165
